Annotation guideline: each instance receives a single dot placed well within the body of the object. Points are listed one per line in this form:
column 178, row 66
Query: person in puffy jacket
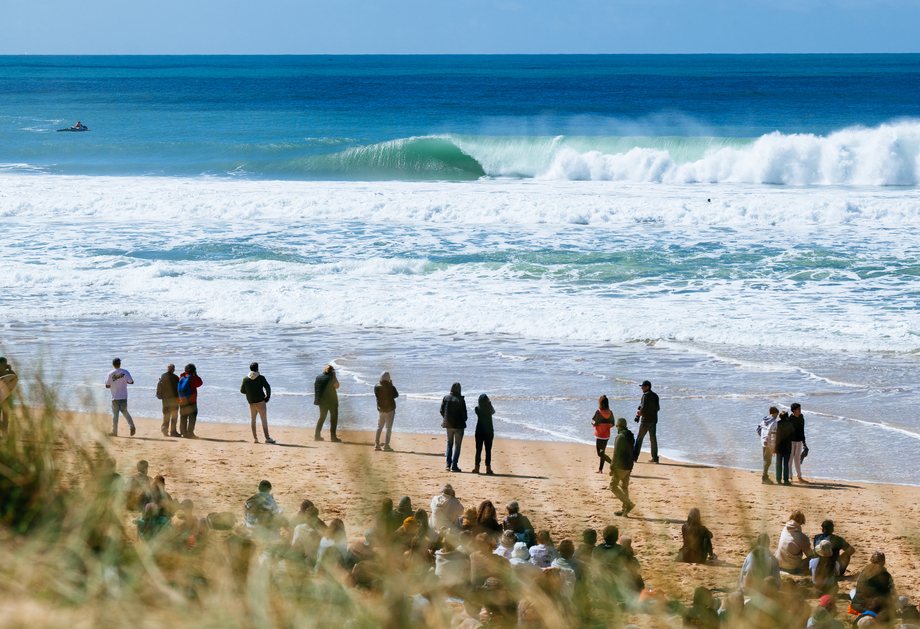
column 188, row 401
column 453, row 413
column 794, row 548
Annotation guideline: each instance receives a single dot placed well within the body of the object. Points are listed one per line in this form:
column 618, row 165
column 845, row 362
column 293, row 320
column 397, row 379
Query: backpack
column 185, row 387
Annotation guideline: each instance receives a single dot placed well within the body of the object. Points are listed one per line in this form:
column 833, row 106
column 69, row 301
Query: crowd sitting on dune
column 498, row 570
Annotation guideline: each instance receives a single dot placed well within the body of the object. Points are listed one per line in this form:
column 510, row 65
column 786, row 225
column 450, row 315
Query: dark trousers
column 601, row 452
column 188, row 415
column 333, row 412
column 652, row 430
column 484, row 440
column 170, row 416
column 782, row 467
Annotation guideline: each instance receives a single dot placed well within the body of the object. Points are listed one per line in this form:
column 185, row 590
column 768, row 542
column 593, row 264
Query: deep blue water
column 317, row 117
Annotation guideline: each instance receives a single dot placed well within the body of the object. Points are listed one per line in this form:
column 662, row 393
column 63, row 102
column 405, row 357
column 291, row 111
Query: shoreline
column 555, row 484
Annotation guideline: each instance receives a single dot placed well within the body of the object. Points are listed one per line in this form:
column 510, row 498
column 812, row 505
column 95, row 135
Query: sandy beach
column 555, row 483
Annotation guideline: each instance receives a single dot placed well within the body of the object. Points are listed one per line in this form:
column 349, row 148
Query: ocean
column 740, row 230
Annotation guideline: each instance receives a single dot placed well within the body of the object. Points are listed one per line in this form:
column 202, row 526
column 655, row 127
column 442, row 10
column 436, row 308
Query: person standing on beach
column 168, row 393
column 188, row 401
column 602, row 421
column 258, row 393
column 325, row 396
column 767, row 432
column 117, row 381
column 621, row 466
column 453, row 411
column 798, row 440
column 485, row 432
column 6, row 403
column 386, row 395
column 784, row 431
column 648, row 416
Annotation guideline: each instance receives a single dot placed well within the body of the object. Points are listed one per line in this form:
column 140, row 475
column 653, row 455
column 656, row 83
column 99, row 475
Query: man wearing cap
column 117, row 381
column 647, row 415
column 386, row 395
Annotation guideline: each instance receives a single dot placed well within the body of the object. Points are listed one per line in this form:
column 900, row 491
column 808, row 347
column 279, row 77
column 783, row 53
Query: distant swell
column 888, row 155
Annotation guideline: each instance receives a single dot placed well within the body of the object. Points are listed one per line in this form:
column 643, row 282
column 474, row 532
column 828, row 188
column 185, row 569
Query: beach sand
column 555, row 484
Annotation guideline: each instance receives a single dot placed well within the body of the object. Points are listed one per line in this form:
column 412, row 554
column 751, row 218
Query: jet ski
column 80, row 128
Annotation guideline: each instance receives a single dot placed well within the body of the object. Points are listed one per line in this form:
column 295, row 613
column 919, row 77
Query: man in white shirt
column 117, row 382
column 767, row 432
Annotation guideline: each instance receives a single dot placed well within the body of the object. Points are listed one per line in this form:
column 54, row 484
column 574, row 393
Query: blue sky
column 457, row 26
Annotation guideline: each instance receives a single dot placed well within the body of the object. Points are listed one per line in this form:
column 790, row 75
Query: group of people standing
column 783, row 434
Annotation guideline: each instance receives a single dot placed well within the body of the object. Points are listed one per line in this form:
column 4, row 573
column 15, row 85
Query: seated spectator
column 632, row 575
column 383, row 521
column 570, row 570
column 697, row 546
column 823, row 616
column 518, row 523
column 466, row 545
column 306, row 544
column 542, row 554
column 758, row 565
column 910, row 617
column 398, row 515
column 468, row 521
column 333, row 548
column 451, row 566
column 487, row 520
column 732, row 612
column 263, row 515
column 764, row 609
column 158, row 494
column 824, row 569
column 485, row 563
column 506, row 544
column 361, row 552
column 190, row 531
column 520, row 563
column 151, row 523
column 794, row 549
column 445, row 510
column 425, row 531
column 842, row 551
column 138, row 492
column 586, row 548
column 404, row 535
column 544, row 607
column 703, row 611
column 875, row 590
column 609, row 555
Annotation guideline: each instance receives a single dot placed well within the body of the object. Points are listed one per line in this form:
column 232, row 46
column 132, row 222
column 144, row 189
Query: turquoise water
column 742, row 231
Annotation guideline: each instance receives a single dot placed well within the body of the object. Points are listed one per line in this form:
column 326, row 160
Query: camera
column 637, row 418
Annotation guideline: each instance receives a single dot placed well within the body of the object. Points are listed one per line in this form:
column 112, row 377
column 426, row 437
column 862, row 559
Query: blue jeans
column 120, row 406
column 782, row 467
column 454, row 439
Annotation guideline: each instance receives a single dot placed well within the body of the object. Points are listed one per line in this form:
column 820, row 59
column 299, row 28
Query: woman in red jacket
column 602, row 421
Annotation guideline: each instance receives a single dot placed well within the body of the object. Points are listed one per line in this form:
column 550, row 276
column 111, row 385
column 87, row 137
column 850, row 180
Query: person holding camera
column 326, row 398
column 647, row 415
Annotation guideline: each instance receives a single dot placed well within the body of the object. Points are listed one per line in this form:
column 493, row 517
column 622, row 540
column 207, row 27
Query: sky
column 457, row 26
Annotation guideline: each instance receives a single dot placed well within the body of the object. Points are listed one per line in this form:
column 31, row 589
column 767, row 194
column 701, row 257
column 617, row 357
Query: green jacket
column 623, row 450
column 256, row 390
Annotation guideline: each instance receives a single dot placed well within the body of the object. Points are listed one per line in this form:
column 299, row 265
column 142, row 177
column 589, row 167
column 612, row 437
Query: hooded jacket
column 794, row 547
column 758, row 565
column 484, row 412
column 256, row 388
column 452, row 567
column 453, row 409
column 386, row 395
column 767, row 432
column 445, row 511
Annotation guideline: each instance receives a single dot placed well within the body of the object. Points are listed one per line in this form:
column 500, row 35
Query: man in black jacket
column 386, row 395
column 258, row 393
column 168, row 393
column 326, row 398
column 648, row 416
column 453, row 410
column 621, row 466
